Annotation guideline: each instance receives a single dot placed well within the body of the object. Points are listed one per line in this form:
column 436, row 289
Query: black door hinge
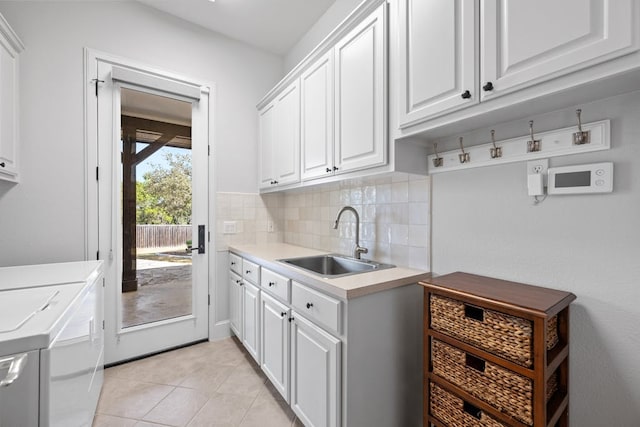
column 208, row 150
column 103, row 324
column 208, row 236
column 97, row 254
column 209, row 299
column 97, row 82
column 97, row 173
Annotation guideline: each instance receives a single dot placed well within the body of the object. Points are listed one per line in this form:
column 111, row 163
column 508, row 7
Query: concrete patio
column 164, row 292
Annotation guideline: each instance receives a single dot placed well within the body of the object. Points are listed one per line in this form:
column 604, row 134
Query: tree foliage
column 164, row 196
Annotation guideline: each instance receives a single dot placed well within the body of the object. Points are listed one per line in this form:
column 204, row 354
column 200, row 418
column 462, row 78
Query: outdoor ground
column 164, row 290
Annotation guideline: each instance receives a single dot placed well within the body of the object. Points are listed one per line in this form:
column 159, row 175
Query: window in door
column 156, row 196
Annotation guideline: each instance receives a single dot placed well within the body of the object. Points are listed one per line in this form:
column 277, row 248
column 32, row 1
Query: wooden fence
column 162, row 236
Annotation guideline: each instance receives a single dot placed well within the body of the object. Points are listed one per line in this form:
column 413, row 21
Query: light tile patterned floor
column 207, row 384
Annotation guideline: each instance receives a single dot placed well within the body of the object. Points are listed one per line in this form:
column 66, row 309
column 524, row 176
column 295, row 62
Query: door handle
column 16, row 366
column 200, row 247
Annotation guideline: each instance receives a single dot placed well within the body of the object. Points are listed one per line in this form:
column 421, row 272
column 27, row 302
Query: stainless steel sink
column 335, row 265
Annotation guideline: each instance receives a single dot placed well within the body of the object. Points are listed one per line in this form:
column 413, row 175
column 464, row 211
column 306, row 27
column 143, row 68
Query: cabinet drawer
column 251, row 272
column 504, row 390
column 316, row 305
column 507, row 336
column 235, row 263
column 453, row 411
column 275, row 283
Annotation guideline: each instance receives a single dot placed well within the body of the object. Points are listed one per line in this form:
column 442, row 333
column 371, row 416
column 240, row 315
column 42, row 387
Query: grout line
column 161, row 400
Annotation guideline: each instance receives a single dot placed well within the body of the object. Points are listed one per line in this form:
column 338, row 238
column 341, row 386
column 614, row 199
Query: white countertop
column 346, row 287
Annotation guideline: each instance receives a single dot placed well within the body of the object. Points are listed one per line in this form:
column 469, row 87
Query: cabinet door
column 528, row 42
column 316, row 118
column 437, row 71
column 360, row 95
column 235, row 304
column 286, row 142
column 315, row 374
column 274, row 341
column 251, row 320
column 10, row 48
column 267, row 175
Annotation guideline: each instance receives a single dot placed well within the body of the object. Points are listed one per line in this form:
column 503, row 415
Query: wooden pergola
column 156, row 134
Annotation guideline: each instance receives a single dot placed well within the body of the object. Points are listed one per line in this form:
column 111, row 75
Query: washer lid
column 19, row 306
column 31, row 276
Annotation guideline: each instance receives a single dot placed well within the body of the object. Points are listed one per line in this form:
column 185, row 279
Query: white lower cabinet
column 337, row 362
column 251, row 320
column 315, row 374
column 235, row 304
column 274, row 341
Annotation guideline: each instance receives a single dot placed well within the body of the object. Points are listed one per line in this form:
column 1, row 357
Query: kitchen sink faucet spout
column 359, row 249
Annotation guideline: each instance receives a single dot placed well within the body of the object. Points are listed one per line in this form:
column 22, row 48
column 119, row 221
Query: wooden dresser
column 496, row 353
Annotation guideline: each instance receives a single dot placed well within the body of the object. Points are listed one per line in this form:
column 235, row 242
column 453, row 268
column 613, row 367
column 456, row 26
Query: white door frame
column 94, row 247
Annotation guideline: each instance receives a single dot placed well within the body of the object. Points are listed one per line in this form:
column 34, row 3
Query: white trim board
column 553, row 143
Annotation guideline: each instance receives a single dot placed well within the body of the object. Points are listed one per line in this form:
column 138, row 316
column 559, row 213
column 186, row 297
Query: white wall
column 323, row 26
column 484, row 223
column 42, row 218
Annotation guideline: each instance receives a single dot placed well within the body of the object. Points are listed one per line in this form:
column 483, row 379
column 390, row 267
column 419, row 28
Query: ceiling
column 154, row 107
column 272, row 25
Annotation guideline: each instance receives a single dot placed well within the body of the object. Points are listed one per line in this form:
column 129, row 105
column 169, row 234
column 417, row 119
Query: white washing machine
column 51, row 344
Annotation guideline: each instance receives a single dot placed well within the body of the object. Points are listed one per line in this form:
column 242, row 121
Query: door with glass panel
column 153, row 209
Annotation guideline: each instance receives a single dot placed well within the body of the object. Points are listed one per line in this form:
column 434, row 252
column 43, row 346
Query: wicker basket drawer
column 506, row 336
column 506, row 391
column 455, row 412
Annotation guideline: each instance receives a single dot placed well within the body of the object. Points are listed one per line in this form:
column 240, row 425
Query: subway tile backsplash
column 394, row 218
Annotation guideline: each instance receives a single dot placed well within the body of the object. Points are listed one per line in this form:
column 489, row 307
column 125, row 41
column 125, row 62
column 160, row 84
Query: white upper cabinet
column 316, row 118
column 267, row 174
column 280, row 139
column 455, row 54
column 437, row 54
column 330, row 112
column 287, row 136
column 360, row 95
column 10, row 48
column 526, row 42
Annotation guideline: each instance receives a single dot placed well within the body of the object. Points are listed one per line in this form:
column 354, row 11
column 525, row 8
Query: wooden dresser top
column 528, row 297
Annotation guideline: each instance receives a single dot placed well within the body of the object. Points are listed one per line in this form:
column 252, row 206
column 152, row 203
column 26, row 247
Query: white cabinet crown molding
column 360, row 12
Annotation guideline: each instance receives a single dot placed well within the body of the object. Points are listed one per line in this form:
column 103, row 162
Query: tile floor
column 207, row 384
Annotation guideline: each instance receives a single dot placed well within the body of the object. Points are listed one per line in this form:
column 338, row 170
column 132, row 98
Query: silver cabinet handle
column 16, row 366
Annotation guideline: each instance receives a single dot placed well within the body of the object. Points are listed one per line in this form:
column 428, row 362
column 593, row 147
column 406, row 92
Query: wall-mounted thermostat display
column 580, row 179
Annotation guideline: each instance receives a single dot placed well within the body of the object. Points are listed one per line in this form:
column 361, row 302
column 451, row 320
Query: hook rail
column 558, row 142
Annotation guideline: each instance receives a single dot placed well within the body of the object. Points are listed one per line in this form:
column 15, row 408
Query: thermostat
column 580, row 179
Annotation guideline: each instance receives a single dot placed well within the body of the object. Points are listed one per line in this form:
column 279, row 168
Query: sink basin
column 335, row 265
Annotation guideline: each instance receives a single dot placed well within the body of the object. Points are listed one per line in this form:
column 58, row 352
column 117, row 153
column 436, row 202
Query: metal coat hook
column 437, row 160
column 533, row 144
column 581, row 137
column 495, row 151
column 464, row 157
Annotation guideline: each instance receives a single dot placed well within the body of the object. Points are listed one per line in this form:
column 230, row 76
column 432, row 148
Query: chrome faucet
column 359, row 249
